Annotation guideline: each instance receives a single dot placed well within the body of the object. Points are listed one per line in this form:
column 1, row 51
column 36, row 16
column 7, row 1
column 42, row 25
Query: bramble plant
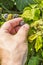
column 32, row 13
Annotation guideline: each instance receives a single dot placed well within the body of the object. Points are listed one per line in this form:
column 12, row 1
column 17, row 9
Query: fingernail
column 26, row 26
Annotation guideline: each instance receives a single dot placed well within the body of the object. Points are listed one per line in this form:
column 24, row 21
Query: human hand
column 13, row 47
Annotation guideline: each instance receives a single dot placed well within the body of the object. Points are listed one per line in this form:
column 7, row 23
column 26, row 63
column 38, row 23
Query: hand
column 13, row 48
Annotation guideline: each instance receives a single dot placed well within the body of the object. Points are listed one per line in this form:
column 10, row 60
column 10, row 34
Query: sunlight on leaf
column 38, row 43
column 32, row 37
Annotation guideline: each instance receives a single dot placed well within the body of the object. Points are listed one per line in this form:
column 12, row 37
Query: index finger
column 7, row 26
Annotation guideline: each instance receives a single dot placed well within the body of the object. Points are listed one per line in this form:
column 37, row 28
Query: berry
column 5, row 15
column 15, row 15
column 21, row 23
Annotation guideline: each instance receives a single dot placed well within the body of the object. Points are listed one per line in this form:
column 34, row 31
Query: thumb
column 22, row 33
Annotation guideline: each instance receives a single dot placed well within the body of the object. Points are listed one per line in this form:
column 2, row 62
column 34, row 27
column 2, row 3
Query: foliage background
column 32, row 13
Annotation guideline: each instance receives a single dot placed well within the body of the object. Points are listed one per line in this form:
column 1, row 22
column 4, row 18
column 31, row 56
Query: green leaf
column 31, row 14
column 21, row 4
column 32, row 37
column 36, row 14
column 1, row 23
column 26, row 8
column 38, row 43
column 35, row 23
column 34, row 60
column 41, row 4
column 7, row 3
column 33, row 5
column 27, row 14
